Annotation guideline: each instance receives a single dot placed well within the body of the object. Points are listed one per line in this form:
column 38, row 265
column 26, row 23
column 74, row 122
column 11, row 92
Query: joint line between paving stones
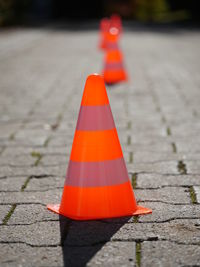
column 193, row 195
column 138, row 253
column 9, row 214
column 25, row 184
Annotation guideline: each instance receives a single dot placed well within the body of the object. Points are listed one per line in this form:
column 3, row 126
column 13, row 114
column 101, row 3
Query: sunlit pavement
column 157, row 115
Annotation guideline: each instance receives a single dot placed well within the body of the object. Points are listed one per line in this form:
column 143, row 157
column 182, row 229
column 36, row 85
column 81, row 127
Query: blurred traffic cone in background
column 112, row 38
column 114, row 70
column 97, row 184
column 115, row 21
column 104, row 28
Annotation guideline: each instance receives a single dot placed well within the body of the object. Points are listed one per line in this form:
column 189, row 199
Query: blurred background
column 13, row 12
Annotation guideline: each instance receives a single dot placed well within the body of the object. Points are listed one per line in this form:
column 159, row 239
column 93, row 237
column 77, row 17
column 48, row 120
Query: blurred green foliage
column 12, row 11
column 157, row 11
column 154, row 10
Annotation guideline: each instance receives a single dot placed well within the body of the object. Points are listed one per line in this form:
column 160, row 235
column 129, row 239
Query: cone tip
column 94, row 77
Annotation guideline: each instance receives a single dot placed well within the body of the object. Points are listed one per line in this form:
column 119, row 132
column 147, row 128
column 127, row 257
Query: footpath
column 157, row 115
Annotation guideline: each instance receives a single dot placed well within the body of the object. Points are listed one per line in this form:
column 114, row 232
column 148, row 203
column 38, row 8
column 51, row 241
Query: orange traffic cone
column 104, row 28
column 115, row 21
column 112, row 38
column 97, row 184
column 114, row 70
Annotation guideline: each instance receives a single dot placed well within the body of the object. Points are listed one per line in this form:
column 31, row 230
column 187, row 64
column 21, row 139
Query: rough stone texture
column 39, row 234
column 45, row 183
column 4, row 209
column 197, row 192
column 42, row 74
column 160, row 167
column 115, row 254
column 50, row 196
column 169, row 254
column 12, row 184
column 174, row 195
column 163, row 212
column 31, row 213
column 20, row 254
column 156, row 180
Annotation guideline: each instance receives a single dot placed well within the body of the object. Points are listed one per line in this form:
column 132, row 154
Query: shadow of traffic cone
column 97, row 184
column 114, row 70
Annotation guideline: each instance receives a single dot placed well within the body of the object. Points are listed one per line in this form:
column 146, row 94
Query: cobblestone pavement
column 157, row 114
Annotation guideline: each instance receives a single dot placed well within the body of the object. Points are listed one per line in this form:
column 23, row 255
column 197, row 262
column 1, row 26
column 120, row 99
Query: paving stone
column 115, row 254
column 167, row 167
column 149, row 180
column 182, row 231
column 12, row 183
column 31, row 213
column 162, row 147
column 12, row 255
column 111, row 254
column 39, row 234
column 54, row 160
column 19, row 160
column 4, row 209
column 169, row 254
column 45, row 183
column 197, row 192
column 155, row 157
column 86, row 233
column 171, row 195
column 30, row 138
column 163, row 212
column 34, row 171
column 65, row 141
column 91, row 232
column 188, row 145
column 7, row 129
column 50, row 196
column 193, row 167
column 9, row 151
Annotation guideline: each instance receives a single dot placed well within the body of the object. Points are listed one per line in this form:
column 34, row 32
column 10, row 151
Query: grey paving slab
column 4, row 209
column 34, row 171
column 55, row 160
column 31, row 213
column 155, row 157
column 149, row 180
column 45, row 183
column 24, row 255
column 17, row 160
column 183, row 231
column 115, row 254
column 9, row 184
column 163, row 212
column 167, row 167
column 193, row 166
column 171, row 195
column 158, row 253
column 39, row 197
column 40, row 234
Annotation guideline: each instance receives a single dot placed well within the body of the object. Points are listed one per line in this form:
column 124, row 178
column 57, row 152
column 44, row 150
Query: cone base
column 56, row 208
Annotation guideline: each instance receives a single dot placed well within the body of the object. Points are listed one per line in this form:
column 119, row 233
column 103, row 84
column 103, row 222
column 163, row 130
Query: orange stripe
column 96, row 145
column 94, row 91
column 98, row 202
